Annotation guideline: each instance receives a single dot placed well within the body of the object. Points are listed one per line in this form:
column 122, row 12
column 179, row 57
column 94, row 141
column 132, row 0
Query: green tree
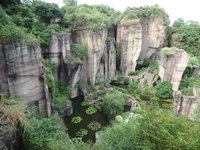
column 113, row 104
column 164, row 89
column 70, row 2
column 47, row 11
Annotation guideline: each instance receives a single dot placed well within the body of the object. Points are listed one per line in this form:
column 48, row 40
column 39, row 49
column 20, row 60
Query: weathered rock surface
column 196, row 73
column 10, row 138
column 24, row 73
column 67, row 110
column 94, row 68
column 129, row 39
column 153, row 36
column 184, row 105
column 171, row 67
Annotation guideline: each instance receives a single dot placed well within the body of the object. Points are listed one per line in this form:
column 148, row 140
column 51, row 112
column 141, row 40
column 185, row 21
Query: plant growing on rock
column 76, row 119
column 80, row 51
column 91, row 110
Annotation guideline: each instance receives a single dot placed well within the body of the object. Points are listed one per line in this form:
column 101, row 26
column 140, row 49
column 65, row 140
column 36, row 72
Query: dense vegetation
column 145, row 11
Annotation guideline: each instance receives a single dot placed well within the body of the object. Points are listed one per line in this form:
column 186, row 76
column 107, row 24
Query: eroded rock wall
column 94, row 68
column 24, row 72
column 153, row 36
column 184, row 105
column 171, row 67
column 129, row 39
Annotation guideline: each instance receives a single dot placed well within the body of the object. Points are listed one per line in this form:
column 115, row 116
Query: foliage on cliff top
column 154, row 128
column 186, row 35
column 93, row 17
column 168, row 51
column 145, row 11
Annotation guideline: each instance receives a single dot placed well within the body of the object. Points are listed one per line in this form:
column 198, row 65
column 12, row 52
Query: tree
column 47, row 11
column 164, row 89
column 113, row 104
column 70, row 2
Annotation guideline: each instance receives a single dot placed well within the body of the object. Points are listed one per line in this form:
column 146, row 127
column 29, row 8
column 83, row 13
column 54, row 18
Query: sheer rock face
column 3, row 74
column 196, row 73
column 59, row 50
column 24, row 71
column 95, row 68
column 171, row 68
column 184, row 105
column 129, row 39
column 153, row 36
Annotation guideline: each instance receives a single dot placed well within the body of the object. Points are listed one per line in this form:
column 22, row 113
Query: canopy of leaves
column 47, row 11
column 93, row 17
column 146, row 11
column 153, row 129
column 164, row 89
column 113, row 104
column 186, row 35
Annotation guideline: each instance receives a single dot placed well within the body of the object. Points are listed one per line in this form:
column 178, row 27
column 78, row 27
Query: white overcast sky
column 185, row 9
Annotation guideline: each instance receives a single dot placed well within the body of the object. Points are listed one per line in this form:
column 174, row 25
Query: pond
column 79, row 110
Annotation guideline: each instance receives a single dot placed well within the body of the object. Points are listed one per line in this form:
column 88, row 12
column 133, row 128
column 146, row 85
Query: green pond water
column 79, row 110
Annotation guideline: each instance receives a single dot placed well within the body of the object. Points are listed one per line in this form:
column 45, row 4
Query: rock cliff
column 153, row 36
column 184, row 105
column 171, row 67
column 100, row 63
column 129, row 39
column 22, row 73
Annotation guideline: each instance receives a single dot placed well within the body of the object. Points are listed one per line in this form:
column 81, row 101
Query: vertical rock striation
column 24, row 72
column 129, row 39
column 171, row 67
column 100, row 63
column 153, row 36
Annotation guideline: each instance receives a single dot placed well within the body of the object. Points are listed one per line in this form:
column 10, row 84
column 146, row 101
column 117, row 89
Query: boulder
column 67, row 110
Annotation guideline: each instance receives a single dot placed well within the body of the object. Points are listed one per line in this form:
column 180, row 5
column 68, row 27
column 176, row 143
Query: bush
column 153, row 129
column 79, row 51
column 133, row 73
column 164, row 89
column 153, row 67
column 12, row 34
column 133, row 84
column 168, row 51
column 113, row 104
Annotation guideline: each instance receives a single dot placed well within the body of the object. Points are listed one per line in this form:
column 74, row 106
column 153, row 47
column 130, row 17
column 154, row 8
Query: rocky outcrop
column 129, row 39
column 171, row 67
column 153, row 37
column 184, row 105
column 59, row 50
column 196, row 73
column 24, row 73
column 10, row 138
column 3, row 73
column 99, row 64
column 67, row 110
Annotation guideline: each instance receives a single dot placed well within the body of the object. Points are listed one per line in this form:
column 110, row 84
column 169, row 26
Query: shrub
column 153, row 67
column 113, row 104
column 133, row 84
column 168, row 51
column 155, row 129
column 12, row 34
column 80, row 51
column 148, row 91
column 133, row 73
column 164, row 89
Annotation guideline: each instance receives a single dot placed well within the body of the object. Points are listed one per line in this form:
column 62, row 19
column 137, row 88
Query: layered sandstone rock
column 100, row 63
column 153, row 37
column 184, row 105
column 171, row 67
column 129, row 39
column 24, row 72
